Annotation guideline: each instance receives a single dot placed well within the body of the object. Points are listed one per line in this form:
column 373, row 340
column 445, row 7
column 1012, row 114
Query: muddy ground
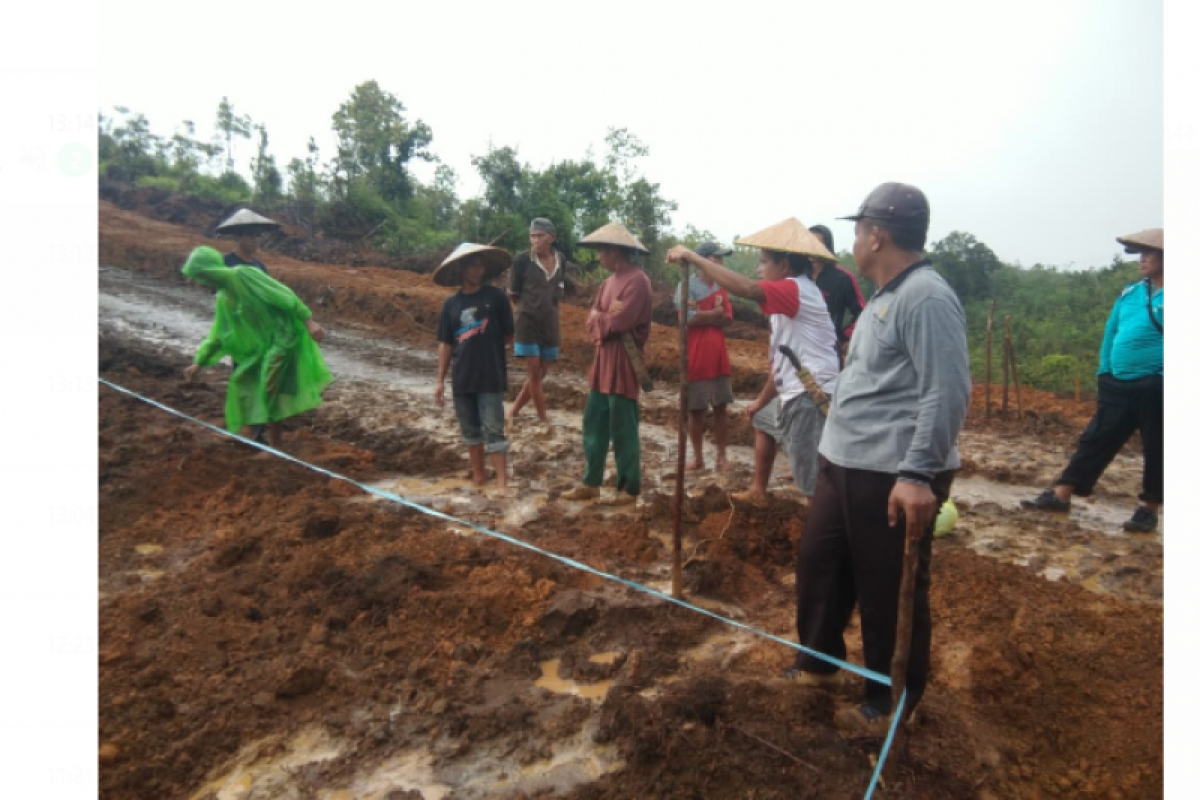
column 268, row 632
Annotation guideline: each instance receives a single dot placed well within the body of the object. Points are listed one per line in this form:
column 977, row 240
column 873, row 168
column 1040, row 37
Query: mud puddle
column 1094, row 514
column 1088, row 547
column 179, row 317
column 269, row 768
column 448, row 495
column 551, row 681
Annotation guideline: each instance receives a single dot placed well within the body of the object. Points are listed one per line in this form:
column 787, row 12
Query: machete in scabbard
column 810, row 383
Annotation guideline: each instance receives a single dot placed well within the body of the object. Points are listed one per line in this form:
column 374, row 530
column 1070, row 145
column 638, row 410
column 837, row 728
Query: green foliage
column 1056, row 318
column 268, row 182
column 229, row 188
column 577, row 196
column 376, row 142
column 357, row 212
column 229, row 126
column 1052, row 314
column 128, row 150
column 188, row 153
column 1054, row 372
column 966, row 263
column 167, row 183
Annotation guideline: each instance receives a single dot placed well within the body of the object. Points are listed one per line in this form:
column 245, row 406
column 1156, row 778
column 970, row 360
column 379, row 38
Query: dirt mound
column 224, row 619
column 1039, row 690
column 1040, row 412
column 192, row 211
column 1061, row 676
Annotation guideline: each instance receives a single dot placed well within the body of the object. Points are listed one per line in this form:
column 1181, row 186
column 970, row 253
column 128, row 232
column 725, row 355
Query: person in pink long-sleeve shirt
column 622, row 307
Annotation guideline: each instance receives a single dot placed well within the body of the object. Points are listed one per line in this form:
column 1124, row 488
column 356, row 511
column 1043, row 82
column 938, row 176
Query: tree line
column 366, row 190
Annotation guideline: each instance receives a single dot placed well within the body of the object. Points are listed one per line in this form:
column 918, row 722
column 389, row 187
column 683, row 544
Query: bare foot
column 694, row 466
column 750, row 498
column 724, row 466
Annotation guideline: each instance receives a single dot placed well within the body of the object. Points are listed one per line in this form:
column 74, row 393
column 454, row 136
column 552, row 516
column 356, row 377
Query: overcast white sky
column 1036, row 126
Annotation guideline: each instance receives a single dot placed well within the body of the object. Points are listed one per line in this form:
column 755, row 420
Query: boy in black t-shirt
column 475, row 327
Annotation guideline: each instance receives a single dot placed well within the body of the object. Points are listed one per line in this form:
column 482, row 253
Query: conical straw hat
column 1151, row 239
column 789, row 236
column 495, row 260
column 613, row 233
column 245, row 222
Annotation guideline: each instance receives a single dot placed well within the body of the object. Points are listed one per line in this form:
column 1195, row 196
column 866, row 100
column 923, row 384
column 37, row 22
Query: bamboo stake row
column 1008, row 368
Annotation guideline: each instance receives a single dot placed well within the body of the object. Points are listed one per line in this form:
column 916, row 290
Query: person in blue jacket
column 1129, row 393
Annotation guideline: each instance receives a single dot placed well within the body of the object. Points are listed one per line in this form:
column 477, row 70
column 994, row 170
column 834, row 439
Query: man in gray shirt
column 888, row 456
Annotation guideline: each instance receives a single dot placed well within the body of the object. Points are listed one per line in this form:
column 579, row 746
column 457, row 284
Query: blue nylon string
column 897, row 713
column 395, row 498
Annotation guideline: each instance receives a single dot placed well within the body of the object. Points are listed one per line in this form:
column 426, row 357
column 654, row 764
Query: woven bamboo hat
column 246, row 222
column 1151, row 239
column 495, row 261
column 789, row 236
column 613, row 233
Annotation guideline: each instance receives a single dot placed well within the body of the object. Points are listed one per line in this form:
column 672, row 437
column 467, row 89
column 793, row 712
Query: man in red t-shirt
column 709, row 312
column 784, row 414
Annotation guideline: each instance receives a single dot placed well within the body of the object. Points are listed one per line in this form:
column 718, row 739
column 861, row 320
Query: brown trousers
column 849, row 554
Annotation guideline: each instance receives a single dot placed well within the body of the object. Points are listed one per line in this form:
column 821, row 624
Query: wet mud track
column 267, row 632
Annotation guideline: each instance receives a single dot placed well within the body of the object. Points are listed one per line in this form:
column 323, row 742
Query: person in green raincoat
column 270, row 336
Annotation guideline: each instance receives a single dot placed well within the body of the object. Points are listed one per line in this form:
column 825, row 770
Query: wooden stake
column 1012, row 360
column 1004, row 358
column 987, row 390
column 681, row 465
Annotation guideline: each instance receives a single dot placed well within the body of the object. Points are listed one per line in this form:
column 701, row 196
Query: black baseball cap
column 899, row 204
column 709, row 249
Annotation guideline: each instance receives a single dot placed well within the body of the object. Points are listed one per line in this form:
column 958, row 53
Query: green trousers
column 612, row 418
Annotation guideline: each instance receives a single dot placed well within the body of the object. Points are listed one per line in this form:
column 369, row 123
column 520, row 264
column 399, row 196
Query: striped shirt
column 1133, row 346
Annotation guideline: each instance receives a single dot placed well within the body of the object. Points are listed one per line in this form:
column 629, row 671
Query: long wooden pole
column 680, row 467
column 1012, row 360
column 1004, row 358
column 904, row 615
column 987, row 386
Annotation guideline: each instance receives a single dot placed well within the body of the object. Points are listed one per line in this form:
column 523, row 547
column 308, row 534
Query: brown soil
column 277, row 601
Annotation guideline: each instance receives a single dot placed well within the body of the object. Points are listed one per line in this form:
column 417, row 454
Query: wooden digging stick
column 681, row 466
column 904, row 615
